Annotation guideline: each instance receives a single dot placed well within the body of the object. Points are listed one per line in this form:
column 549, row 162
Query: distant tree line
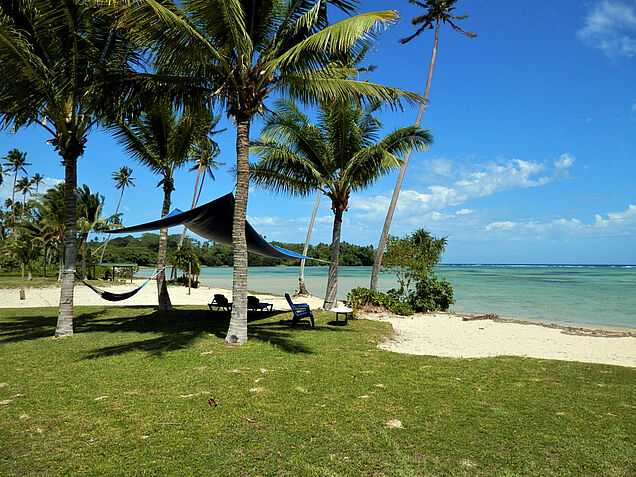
column 143, row 251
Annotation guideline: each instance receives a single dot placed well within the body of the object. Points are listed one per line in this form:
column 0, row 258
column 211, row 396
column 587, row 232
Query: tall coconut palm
column 162, row 141
column 340, row 154
column 15, row 162
column 123, row 178
column 203, row 155
column 238, row 54
column 36, row 180
column 437, row 11
column 23, row 186
column 53, row 56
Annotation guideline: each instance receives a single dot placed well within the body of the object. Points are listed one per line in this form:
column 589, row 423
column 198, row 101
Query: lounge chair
column 220, row 302
column 255, row 304
column 300, row 310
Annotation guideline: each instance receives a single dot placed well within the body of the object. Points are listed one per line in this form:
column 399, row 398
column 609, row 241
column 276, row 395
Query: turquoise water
column 584, row 295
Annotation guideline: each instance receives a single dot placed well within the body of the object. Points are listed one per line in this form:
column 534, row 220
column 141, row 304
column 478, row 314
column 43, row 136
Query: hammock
column 106, row 295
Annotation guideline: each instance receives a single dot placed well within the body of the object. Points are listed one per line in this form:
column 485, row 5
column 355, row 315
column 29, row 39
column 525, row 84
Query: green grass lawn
column 128, row 395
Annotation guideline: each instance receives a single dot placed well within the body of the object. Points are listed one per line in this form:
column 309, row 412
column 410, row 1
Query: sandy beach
column 435, row 334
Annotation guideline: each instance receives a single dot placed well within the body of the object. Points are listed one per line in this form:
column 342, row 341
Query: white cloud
column 613, row 224
column 465, row 212
column 565, row 161
column 610, row 26
column 500, row 226
column 634, row 107
column 617, row 218
column 481, row 181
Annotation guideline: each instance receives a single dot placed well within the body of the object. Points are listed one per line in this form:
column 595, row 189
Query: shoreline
column 453, row 335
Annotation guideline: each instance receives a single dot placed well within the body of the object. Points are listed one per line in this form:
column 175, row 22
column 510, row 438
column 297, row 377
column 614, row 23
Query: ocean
column 592, row 295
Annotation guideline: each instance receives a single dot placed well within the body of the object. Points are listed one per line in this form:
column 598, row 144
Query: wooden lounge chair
column 300, row 310
column 220, row 301
column 255, row 304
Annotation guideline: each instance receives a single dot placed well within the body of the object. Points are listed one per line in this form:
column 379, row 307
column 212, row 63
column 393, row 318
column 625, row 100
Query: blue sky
column 534, row 159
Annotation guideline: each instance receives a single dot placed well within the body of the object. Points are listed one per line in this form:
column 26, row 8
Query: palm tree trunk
column 46, row 249
column 101, row 258
column 15, row 178
column 162, row 287
column 83, row 245
column 64, row 327
column 379, row 253
column 173, row 275
column 302, row 290
column 237, row 331
column 332, row 280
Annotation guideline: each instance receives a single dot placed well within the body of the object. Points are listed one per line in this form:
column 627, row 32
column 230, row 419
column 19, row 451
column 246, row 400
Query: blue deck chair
column 300, row 310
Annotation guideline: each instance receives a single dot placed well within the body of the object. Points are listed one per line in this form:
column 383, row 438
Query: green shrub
column 361, row 297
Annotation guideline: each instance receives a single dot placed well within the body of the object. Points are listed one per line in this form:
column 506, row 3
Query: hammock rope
column 109, row 296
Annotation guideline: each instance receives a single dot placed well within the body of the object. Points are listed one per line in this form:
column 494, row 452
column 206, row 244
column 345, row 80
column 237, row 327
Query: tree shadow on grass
column 180, row 328
column 27, row 328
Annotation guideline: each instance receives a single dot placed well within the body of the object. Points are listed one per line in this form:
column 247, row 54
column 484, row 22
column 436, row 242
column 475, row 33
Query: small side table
column 342, row 310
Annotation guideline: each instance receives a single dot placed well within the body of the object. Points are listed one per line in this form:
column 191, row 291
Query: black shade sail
column 213, row 221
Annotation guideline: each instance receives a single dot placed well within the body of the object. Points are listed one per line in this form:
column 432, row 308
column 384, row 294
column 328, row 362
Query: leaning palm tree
column 437, row 11
column 340, row 154
column 53, row 56
column 239, row 53
column 162, row 141
column 122, row 180
column 15, row 162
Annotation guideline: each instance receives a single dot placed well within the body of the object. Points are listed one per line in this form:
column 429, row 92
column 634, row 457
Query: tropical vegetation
column 339, row 154
column 436, row 12
column 238, row 54
column 163, row 141
column 54, row 60
column 412, row 259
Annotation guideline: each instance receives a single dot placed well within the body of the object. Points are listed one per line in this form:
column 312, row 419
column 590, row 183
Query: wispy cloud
column 610, row 26
column 613, row 224
column 467, row 184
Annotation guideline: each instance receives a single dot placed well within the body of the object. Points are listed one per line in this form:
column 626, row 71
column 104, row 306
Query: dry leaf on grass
column 394, row 424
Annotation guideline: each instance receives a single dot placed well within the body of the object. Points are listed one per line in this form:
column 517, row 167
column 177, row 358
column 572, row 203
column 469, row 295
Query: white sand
column 446, row 334
column 50, row 296
column 439, row 334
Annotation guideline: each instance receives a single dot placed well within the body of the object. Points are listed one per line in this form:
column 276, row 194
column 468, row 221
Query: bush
column 364, row 297
column 430, row 294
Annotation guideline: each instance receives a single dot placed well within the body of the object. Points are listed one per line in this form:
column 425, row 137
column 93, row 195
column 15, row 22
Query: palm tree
column 203, row 155
column 15, row 162
column 53, row 57
column 36, row 180
column 339, row 155
column 161, row 141
column 50, row 214
column 89, row 210
column 23, row 186
column 437, row 11
column 123, row 178
column 302, row 289
column 238, row 54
